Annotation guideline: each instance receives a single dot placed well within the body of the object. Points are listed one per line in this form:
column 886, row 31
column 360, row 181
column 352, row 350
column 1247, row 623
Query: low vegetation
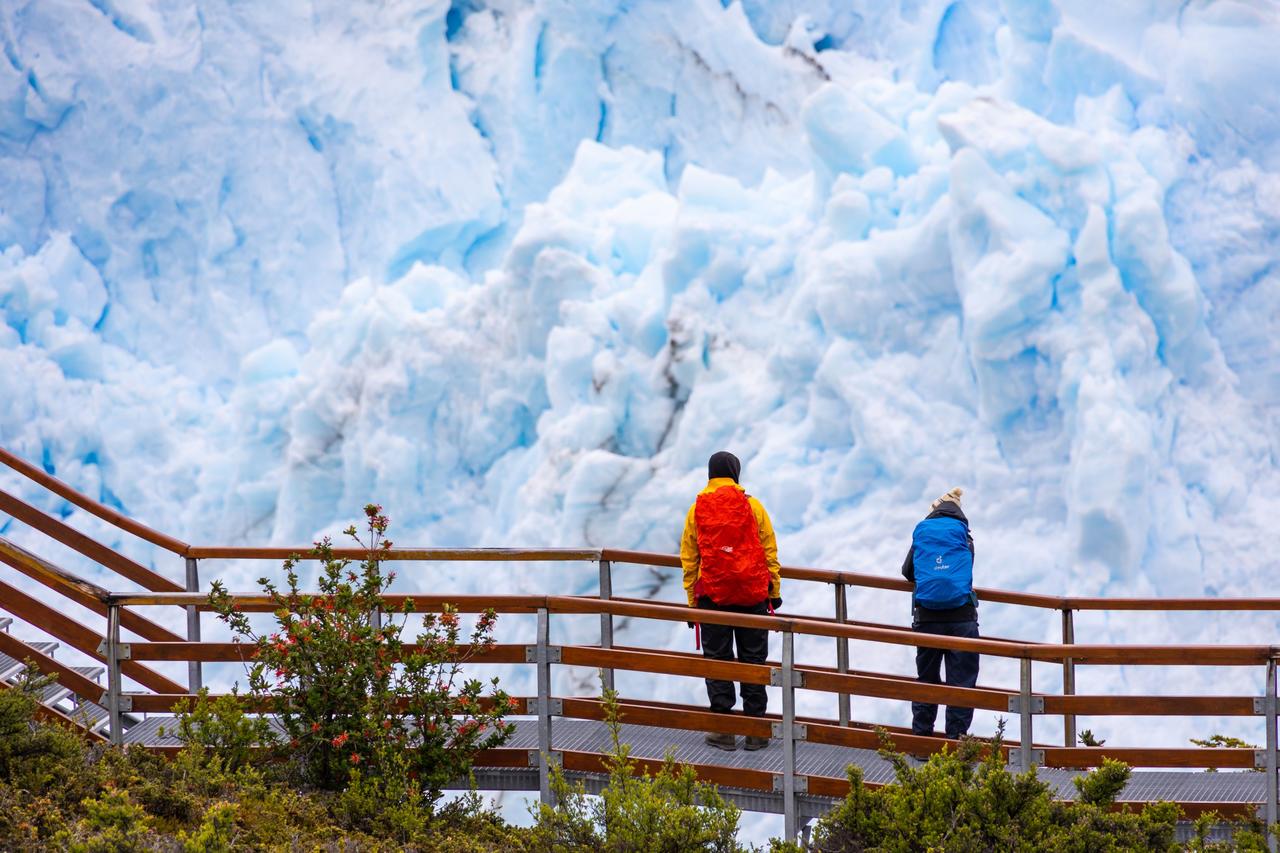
column 968, row 800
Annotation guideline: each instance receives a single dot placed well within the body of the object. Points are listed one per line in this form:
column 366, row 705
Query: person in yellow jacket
column 730, row 559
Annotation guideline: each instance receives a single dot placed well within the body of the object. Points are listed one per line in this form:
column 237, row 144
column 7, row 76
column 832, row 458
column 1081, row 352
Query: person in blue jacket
column 940, row 564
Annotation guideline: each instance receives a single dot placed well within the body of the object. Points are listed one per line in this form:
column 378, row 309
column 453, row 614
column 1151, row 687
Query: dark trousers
column 962, row 671
column 753, row 647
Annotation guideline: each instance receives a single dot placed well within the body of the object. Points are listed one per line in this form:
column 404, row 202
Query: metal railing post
column 789, row 815
column 1068, row 675
column 113, row 674
column 606, row 620
column 1025, row 735
column 842, row 648
column 1269, row 710
column 542, row 659
column 195, row 677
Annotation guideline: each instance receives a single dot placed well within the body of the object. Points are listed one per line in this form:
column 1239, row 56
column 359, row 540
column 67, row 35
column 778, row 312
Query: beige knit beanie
column 953, row 496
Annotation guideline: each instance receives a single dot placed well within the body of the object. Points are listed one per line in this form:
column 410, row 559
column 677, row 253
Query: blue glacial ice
column 514, row 269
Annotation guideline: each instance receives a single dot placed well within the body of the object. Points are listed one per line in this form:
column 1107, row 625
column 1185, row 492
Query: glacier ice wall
column 515, row 269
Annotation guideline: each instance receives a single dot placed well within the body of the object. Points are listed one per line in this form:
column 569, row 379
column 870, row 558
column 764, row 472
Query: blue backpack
column 943, row 563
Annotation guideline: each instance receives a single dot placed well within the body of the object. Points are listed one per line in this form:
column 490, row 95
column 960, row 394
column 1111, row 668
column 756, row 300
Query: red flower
column 315, row 727
column 339, row 740
column 355, row 759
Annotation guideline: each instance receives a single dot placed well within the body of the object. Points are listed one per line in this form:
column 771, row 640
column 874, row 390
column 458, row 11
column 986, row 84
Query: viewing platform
column 125, row 698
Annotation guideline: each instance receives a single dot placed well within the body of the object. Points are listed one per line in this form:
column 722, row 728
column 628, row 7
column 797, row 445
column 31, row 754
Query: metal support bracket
column 123, row 651
column 1259, row 705
column 555, row 707
column 1016, row 753
column 1015, row 704
column 775, row 677
column 554, row 758
column 802, row 783
column 1259, row 759
column 126, row 702
column 531, row 654
column 799, row 731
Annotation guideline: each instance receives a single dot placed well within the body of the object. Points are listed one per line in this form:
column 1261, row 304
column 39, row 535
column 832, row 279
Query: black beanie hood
column 723, row 464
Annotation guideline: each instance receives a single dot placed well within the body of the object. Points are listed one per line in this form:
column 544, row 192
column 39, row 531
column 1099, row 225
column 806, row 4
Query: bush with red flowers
column 349, row 693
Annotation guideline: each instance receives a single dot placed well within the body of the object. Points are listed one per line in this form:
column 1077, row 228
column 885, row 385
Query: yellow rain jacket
column 689, row 542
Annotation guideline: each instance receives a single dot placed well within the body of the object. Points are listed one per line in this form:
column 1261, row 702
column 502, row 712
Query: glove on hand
column 775, row 603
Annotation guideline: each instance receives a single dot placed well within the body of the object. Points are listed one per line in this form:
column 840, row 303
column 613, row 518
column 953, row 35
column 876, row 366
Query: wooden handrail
column 82, row 544
column 259, row 603
column 161, row 703
column 1171, row 604
column 1151, row 706
column 232, row 652
column 107, row 514
column 1141, row 756
column 474, row 555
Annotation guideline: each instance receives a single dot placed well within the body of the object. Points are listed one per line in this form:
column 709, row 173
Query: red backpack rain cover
column 732, row 565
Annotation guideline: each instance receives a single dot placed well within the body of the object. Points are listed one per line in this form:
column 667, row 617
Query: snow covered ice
column 515, row 270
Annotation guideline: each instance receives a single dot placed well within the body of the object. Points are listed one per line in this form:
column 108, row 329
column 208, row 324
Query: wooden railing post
column 1068, row 675
column 114, row 654
column 842, row 648
column 606, row 620
column 195, row 678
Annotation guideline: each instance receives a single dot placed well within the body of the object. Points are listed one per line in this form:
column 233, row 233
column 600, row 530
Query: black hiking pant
column 962, row 671
column 752, row 647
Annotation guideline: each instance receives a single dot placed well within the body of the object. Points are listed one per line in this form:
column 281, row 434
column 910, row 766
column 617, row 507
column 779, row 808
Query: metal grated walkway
column 814, row 759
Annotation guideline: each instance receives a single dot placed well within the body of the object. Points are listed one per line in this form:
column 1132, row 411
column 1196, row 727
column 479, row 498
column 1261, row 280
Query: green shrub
column 102, row 798
column 330, row 675
column 216, row 833
column 112, row 824
column 667, row 812
column 37, row 756
column 1102, row 786
column 389, row 804
column 961, row 801
column 221, row 728
column 1248, row 836
column 1220, row 741
column 1088, row 738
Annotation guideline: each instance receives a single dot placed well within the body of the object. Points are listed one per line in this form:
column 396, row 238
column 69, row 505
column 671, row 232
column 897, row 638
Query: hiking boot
column 753, row 743
column 726, row 742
